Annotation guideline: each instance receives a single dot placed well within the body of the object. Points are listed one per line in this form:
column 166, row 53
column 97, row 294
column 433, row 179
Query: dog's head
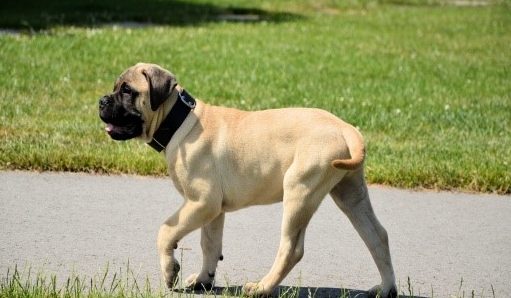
column 138, row 94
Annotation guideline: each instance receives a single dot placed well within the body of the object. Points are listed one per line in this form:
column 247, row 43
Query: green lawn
column 429, row 85
column 125, row 282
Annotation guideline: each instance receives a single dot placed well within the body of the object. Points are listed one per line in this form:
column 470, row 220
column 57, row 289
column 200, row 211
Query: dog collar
column 177, row 115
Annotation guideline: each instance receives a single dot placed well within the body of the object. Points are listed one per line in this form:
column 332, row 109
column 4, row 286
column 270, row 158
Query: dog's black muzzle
column 121, row 123
column 105, row 101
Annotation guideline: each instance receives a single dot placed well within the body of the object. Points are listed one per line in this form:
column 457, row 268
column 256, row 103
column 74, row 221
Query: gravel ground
column 63, row 223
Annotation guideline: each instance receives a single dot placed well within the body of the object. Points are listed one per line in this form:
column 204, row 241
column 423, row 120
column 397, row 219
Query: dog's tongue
column 109, row 127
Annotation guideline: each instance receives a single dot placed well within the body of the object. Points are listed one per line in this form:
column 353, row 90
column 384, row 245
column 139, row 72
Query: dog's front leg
column 192, row 215
column 211, row 243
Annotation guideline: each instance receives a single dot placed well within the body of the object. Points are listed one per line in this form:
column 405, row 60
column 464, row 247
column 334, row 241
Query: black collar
column 177, row 115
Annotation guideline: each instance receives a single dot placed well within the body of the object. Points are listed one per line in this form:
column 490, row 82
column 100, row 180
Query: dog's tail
column 356, row 147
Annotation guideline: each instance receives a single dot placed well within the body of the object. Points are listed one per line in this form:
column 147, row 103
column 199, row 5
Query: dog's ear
column 161, row 84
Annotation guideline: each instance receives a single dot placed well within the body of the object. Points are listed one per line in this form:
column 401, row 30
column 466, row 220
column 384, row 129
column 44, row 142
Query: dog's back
column 253, row 151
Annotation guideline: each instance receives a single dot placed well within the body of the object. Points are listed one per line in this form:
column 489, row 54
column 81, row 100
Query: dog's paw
column 256, row 289
column 196, row 282
column 251, row 289
column 379, row 291
column 171, row 275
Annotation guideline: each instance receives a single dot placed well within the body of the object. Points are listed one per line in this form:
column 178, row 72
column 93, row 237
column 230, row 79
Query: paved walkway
column 77, row 222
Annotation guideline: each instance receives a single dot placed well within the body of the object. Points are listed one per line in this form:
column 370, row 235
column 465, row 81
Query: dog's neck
column 159, row 115
column 170, row 117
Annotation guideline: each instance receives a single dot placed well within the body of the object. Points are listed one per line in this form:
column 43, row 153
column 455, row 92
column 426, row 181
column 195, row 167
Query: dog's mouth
column 111, row 129
column 124, row 131
column 123, row 128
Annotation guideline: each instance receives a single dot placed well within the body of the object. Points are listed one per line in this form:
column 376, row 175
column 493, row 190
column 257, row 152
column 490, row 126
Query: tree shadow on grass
column 44, row 14
column 287, row 291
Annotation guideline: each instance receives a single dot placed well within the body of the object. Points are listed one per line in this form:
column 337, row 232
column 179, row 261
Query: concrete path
column 65, row 223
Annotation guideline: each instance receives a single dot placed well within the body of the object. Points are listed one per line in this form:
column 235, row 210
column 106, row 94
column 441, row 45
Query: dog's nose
column 104, row 101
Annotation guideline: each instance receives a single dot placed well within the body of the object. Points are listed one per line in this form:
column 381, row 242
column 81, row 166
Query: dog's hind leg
column 211, row 243
column 352, row 197
column 299, row 204
column 290, row 252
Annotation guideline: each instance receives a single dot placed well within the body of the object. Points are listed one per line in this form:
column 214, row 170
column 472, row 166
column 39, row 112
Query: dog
column 223, row 159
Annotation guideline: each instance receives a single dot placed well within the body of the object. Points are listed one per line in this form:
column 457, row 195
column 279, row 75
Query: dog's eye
column 125, row 89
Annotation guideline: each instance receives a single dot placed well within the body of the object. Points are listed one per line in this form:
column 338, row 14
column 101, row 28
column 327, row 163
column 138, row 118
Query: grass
column 429, row 85
column 126, row 283
column 116, row 284
column 123, row 283
column 119, row 284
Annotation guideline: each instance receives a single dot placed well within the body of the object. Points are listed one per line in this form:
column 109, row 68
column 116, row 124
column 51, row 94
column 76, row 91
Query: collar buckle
column 187, row 99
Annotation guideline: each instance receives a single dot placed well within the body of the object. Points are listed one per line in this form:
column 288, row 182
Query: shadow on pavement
column 287, row 291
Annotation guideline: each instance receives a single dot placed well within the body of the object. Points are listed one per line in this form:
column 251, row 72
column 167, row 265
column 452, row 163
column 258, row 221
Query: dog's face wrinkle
column 123, row 109
column 127, row 97
column 123, row 119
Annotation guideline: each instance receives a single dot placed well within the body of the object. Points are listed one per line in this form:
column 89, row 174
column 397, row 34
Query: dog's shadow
column 288, row 291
